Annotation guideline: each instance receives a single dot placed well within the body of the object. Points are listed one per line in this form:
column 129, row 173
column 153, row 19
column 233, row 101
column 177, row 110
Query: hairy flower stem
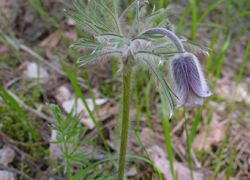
column 127, row 71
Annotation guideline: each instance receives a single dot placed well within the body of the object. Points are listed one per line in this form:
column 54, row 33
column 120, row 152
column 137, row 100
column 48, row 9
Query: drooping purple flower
column 188, row 82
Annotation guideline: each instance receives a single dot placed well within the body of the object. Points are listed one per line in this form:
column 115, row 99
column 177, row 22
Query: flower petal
column 193, row 99
column 180, row 84
column 195, row 76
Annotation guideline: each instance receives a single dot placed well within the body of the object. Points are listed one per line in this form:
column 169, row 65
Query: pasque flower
column 185, row 77
column 187, row 80
column 141, row 46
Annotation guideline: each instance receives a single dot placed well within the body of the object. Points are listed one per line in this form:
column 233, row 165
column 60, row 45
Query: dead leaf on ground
column 228, row 91
column 220, row 106
column 162, row 163
column 217, row 133
column 71, row 22
column 7, row 155
column 71, row 34
column 158, row 139
column 50, row 55
column 63, row 94
column 132, row 171
column 51, row 41
column 241, row 92
column 4, row 49
column 31, row 72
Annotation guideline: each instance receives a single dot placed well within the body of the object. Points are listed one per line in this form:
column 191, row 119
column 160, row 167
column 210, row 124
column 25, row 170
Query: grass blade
column 241, row 14
column 150, row 161
column 209, row 9
column 162, row 81
column 194, row 19
column 220, row 155
column 189, row 146
column 243, row 65
column 230, row 165
column 166, row 128
column 194, row 127
column 183, row 17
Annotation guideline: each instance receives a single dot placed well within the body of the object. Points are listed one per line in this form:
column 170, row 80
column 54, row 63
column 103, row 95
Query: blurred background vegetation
column 36, row 35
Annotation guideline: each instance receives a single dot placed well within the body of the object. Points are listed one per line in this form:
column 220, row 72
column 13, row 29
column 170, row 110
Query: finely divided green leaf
column 120, row 44
column 115, row 39
column 194, row 47
column 79, row 92
column 81, row 21
column 85, row 170
column 170, row 52
column 97, row 15
column 81, row 9
column 162, row 22
column 85, row 44
column 150, row 36
column 110, row 34
column 127, row 9
column 100, row 47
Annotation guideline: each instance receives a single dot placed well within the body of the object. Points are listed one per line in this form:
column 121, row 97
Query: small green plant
column 69, row 132
column 152, row 47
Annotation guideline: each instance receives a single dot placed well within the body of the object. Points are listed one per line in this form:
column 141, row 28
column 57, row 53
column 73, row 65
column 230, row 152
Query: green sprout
column 69, row 131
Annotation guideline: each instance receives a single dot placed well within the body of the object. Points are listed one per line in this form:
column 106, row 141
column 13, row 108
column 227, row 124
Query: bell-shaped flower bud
column 187, row 80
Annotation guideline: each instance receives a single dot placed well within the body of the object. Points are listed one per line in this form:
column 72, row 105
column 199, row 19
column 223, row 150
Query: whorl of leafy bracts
column 153, row 47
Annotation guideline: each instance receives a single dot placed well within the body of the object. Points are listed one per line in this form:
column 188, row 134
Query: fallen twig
column 3, row 167
column 21, row 103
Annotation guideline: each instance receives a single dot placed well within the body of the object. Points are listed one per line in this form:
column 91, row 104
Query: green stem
column 127, row 71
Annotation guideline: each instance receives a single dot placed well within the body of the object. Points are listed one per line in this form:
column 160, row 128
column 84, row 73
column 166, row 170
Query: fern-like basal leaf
column 83, row 60
column 196, row 48
column 161, row 80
